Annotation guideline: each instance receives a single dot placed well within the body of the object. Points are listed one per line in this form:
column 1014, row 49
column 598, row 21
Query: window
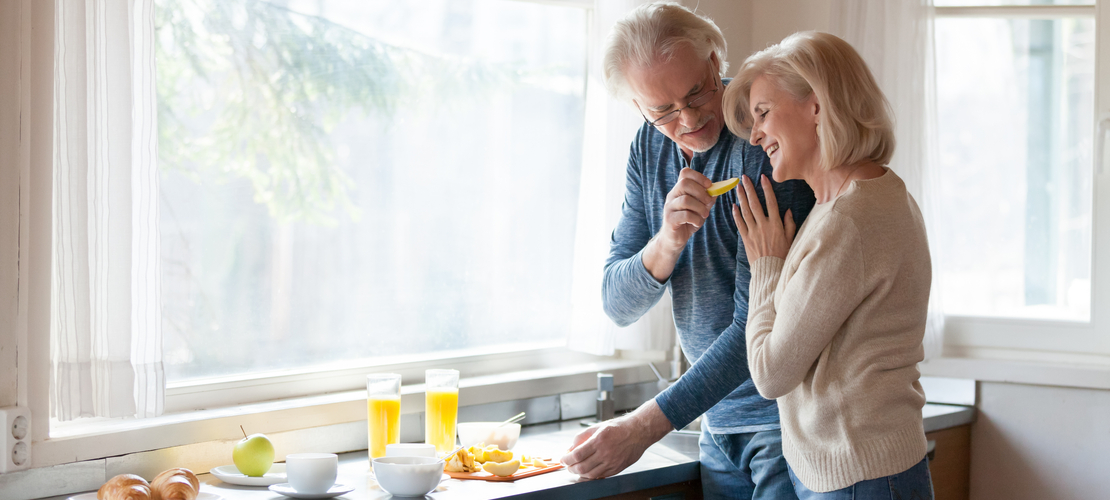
column 1017, row 100
column 517, row 71
column 361, row 181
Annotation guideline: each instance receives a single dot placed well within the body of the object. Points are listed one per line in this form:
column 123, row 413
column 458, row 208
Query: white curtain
column 106, row 340
column 896, row 40
column 610, row 128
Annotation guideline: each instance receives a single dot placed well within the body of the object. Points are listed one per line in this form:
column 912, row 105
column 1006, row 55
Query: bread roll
column 175, row 484
column 124, row 487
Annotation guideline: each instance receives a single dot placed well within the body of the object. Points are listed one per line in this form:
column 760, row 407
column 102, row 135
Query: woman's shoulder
column 867, row 198
column 879, row 207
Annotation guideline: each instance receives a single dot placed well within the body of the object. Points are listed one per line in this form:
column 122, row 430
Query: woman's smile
column 778, row 117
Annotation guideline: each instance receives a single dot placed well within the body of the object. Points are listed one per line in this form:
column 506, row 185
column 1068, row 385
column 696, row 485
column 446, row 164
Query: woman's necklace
column 842, row 184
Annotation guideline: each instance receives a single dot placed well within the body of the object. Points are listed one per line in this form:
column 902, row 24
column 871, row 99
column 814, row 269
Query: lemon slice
column 719, row 188
column 503, row 469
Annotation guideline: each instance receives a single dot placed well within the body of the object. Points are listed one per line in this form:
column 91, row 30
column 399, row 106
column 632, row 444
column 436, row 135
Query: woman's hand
column 763, row 235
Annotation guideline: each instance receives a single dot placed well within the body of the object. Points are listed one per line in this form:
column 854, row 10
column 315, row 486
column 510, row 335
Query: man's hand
column 684, row 212
column 609, row 447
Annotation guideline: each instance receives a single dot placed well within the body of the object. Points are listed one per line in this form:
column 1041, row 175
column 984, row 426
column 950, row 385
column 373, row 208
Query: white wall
column 9, row 199
column 734, row 18
column 752, row 25
column 774, row 20
column 1039, row 442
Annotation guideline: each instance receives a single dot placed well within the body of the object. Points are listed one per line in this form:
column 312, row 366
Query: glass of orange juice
column 441, row 408
column 383, row 411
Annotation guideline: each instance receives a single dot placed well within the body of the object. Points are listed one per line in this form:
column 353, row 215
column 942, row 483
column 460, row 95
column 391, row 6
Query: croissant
column 124, row 487
column 175, row 484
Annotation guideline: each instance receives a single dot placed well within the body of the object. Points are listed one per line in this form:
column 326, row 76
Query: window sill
column 1086, row 372
column 314, row 423
column 219, row 392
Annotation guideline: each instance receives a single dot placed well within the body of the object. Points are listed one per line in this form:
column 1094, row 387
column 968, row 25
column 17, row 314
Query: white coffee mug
column 311, row 472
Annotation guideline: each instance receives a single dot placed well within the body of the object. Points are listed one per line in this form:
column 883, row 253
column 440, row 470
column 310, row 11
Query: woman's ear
column 815, row 107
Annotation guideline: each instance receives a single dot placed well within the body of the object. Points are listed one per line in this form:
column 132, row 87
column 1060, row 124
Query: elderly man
column 667, row 62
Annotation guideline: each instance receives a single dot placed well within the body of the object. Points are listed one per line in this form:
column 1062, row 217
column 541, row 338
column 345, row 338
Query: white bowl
column 410, row 450
column 472, row 433
column 408, row 476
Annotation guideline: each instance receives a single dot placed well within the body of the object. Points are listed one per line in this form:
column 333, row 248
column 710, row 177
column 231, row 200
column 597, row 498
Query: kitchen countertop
column 672, row 460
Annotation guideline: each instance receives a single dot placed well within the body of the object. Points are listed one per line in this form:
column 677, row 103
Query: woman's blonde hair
column 652, row 33
column 854, row 122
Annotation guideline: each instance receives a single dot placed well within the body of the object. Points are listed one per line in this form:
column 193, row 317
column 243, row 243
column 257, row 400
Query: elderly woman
column 837, row 311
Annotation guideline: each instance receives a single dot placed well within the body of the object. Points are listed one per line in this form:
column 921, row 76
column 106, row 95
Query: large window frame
column 304, row 403
column 1042, row 351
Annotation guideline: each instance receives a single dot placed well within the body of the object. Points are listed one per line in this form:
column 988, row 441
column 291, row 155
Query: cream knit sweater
column 834, row 334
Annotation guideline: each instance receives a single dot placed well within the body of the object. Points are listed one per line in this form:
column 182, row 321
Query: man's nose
column 688, row 117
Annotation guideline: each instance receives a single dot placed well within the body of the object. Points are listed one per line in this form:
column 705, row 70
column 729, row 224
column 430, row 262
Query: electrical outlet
column 15, row 440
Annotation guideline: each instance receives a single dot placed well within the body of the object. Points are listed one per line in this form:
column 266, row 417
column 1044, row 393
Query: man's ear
column 716, row 62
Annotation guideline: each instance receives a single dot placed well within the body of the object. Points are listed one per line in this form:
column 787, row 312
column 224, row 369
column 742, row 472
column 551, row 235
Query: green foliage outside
column 251, row 90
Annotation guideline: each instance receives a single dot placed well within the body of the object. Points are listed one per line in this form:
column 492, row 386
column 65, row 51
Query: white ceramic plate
column 204, row 495
column 229, row 474
column 336, row 490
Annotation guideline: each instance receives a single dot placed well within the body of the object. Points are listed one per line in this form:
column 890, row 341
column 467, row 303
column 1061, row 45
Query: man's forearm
column 660, row 260
column 651, row 421
column 628, row 290
column 718, row 372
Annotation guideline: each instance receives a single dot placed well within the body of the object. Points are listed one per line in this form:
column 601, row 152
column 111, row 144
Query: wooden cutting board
column 520, row 474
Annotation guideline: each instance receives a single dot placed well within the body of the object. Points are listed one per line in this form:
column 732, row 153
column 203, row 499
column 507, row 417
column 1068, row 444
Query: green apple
column 253, row 455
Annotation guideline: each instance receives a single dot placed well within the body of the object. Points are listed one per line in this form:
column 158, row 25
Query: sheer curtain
column 106, row 341
column 610, row 128
column 896, row 40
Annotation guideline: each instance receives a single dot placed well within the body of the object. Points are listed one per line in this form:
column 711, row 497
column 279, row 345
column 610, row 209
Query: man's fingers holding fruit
column 694, row 187
column 690, row 204
column 688, row 173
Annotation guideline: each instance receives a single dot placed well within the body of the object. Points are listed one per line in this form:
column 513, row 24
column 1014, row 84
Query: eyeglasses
column 697, row 102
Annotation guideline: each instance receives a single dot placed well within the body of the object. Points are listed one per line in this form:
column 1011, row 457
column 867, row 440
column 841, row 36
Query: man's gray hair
column 651, row 33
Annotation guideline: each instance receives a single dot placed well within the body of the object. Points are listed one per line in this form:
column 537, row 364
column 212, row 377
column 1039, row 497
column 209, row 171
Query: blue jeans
column 913, row 484
column 748, row 466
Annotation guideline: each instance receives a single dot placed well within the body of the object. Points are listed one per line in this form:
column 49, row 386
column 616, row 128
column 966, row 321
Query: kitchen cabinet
column 948, row 428
column 686, row 490
column 950, row 465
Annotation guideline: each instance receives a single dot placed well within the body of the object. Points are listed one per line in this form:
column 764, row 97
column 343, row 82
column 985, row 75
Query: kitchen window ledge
column 1080, row 373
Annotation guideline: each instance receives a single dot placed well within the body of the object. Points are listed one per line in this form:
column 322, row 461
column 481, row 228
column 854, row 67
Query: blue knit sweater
column 709, row 285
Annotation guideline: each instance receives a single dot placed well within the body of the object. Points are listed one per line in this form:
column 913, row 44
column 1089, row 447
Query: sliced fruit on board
column 503, row 469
